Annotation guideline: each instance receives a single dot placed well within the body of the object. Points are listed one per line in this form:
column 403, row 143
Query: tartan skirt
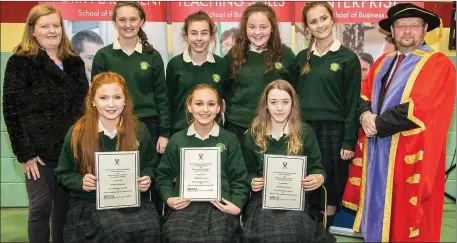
column 87, row 224
column 265, row 225
column 329, row 136
column 200, row 222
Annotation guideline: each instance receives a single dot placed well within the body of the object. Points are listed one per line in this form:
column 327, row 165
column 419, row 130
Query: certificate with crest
column 282, row 189
column 117, row 185
column 200, row 173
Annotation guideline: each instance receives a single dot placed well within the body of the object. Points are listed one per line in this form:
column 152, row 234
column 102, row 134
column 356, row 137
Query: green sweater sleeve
column 352, row 77
column 172, row 83
column 228, row 84
column 292, row 66
column 166, row 172
column 250, row 157
column 98, row 64
column 237, row 174
column 159, row 88
column 66, row 173
column 148, row 154
column 311, row 150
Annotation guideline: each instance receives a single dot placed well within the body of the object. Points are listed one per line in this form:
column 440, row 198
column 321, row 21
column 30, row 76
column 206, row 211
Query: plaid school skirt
column 87, row 224
column 200, row 222
column 329, row 136
column 265, row 225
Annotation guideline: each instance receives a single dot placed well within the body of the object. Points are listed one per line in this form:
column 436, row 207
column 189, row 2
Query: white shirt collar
column 214, row 131
column 334, row 47
column 101, row 128
column 138, row 48
column 406, row 54
column 186, row 57
column 286, row 131
column 252, row 48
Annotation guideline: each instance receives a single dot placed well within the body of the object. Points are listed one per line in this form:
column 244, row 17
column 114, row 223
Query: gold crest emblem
column 334, row 67
column 216, row 78
column 144, row 65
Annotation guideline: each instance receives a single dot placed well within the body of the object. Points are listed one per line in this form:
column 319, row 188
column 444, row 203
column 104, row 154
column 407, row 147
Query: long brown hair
column 261, row 125
column 199, row 16
column 141, row 34
column 85, row 140
column 241, row 48
column 305, row 11
column 29, row 46
column 201, row 86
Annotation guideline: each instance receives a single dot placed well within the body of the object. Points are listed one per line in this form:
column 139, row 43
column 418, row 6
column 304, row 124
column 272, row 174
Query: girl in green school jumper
column 214, row 221
column 108, row 125
column 196, row 65
column 256, row 59
column 328, row 87
column 278, row 129
column 142, row 67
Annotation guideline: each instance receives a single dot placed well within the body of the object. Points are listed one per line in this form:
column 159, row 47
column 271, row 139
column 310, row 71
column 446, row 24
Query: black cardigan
column 41, row 102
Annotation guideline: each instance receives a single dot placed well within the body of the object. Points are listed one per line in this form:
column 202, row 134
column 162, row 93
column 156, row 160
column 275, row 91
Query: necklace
column 326, row 48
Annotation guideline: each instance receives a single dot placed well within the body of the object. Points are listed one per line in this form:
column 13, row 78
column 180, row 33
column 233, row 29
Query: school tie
column 400, row 59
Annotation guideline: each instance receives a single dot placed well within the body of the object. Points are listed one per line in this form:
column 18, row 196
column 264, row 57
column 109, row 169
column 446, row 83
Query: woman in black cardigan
column 44, row 88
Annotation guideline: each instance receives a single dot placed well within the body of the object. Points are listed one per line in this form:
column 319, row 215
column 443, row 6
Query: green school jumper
column 68, row 174
column 243, row 91
column 331, row 90
column 254, row 157
column 235, row 187
column 145, row 77
column 183, row 75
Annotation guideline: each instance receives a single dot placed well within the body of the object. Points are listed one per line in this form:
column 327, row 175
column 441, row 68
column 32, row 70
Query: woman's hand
column 31, row 168
column 312, row 182
column 257, row 184
column 229, row 207
column 178, row 203
column 144, row 183
column 89, row 182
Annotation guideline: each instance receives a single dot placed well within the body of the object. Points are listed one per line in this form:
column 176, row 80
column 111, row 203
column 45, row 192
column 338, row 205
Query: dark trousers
column 47, row 200
column 152, row 123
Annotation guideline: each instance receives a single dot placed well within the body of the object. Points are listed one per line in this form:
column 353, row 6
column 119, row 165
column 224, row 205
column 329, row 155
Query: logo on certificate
column 284, row 164
column 200, row 156
column 116, row 161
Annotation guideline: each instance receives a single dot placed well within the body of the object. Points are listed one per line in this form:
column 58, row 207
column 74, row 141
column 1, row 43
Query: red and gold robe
column 396, row 180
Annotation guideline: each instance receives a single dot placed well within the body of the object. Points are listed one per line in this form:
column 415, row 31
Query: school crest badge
column 279, row 65
column 335, row 67
column 144, row 65
column 221, row 147
column 216, row 78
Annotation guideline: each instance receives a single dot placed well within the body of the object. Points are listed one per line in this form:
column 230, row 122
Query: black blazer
column 41, row 102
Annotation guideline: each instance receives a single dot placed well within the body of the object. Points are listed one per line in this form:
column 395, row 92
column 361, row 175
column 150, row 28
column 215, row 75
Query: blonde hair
column 29, row 45
column 85, row 140
column 201, row 86
column 260, row 127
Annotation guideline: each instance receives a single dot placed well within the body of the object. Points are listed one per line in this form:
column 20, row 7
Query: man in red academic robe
column 396, row 181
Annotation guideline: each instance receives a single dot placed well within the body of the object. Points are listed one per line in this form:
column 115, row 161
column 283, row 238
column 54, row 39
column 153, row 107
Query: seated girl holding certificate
column 278, row 129
column 108, row 125
column 214, row 221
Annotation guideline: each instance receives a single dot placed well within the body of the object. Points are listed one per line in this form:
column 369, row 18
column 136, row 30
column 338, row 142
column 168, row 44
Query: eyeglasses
column 411, row 27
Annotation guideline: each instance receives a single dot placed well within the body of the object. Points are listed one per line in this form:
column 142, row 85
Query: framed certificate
column 200, row 174
column 282, row 189
column 117, row 174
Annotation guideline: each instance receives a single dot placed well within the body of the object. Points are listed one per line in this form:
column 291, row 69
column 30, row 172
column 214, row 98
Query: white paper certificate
column 200, row 174
column 117, row 185
column 282, row 188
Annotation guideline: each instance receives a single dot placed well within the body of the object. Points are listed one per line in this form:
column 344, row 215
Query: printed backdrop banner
column 226, row 11
column 102, row 10
column 356, row 11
